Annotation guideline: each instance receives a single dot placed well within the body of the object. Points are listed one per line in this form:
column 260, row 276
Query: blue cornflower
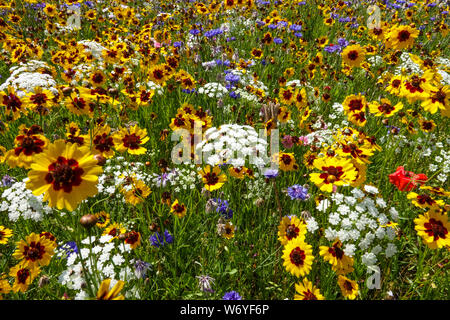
column 141, row 268
column 69, row 248
column 177, row 44
column 7, row 180
column 332, row 48
column 213, row 33
column 271, row 173
column 278, row 40
column 232, row 77
column 298, row 192
column 234, row 95
column 194, row 32
column 158, row 239
column 343, row 42
column 222, row 207
column 295, row 27
column 232, row 295
column 298, row 34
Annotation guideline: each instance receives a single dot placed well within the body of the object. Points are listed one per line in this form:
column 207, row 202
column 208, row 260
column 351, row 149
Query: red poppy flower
column 406, row 180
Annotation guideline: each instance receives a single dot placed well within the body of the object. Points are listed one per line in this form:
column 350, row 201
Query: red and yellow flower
column 65, row 173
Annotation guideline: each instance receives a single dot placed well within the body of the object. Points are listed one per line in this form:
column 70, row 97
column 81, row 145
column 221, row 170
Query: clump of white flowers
column 20, row 202
column 232, row 144
column 96, row 258
column 26, row 77
column 362, row 222
column 155, row 87
column 213, row 90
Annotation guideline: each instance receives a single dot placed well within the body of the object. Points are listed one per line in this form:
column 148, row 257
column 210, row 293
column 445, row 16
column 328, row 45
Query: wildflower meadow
column 224, row 150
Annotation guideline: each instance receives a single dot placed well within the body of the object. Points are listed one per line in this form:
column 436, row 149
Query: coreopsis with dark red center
column 65, row 173
column 131, row 140
column 423, row 200
column 102, row 142
column 41, row 100
column 286, row 161
column 349, row 288
column 341, row 263
column 298, row 258
column 406, row 180
column 334, row 172
column 433, row 226
column 27, row 146
column 305, row 290
column 133, row 238
column 13, row 105
column 35, row 250
column 291, row 228
column 353, row 55
column 178, row 209
column 213, row 179
column 23, row 276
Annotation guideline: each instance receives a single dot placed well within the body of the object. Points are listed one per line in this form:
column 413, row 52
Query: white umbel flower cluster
column 213, row 90
column 232, row 144
column 19, row 202
column 25, row 78
column 360, row 222
column 105, row 258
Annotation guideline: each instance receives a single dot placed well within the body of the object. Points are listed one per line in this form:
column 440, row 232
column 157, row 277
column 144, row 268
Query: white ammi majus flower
column 232, row 144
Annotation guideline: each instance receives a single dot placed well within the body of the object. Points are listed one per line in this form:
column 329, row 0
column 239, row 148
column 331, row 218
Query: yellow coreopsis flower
column 401, row 37
column 131, row 140
column 306, row 291
column 178, row 209
column 5, row 234
column 105, row 293
column 349, row 288
column 291, row 228
column 298, row 258
column 35, row 250
column 433, row 226
column 23, row 276
column 213, row 179
column 334, row 172
column 65, row 173
column 353, row 55
column 340, row 262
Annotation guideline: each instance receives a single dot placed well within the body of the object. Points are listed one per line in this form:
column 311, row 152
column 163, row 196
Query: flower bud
column 43, row 281
column 88, row 220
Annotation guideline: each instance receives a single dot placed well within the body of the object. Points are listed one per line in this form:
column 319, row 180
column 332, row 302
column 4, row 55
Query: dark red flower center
column 211, row 178
column 64, row 174
column 132, row 237
column 39, row 98
column 308, row 295
column 103, row 142
column 355, row 105
column 22, row 275
column 29, row 145
column 331, row 174
column 12, row 102
column 336, row 251
column 353, row 55
column 297, row 256
column 131, row 141
column 436, row 229
column 386, row 108
column 292, row 231
column 35, row 251
column 403, row 35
